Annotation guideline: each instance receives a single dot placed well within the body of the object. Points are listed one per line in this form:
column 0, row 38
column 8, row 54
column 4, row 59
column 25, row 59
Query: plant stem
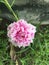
column 11, row 53
column 11, row 62
column 12, row 3
column 17, row 62
column 11, row 10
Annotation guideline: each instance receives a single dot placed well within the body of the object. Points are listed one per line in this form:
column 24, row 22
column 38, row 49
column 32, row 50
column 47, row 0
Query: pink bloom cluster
column 21, row 33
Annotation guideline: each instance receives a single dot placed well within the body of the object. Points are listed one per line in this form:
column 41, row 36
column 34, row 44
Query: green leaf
column 1, row 63
column 2, row 1
column 2, row 32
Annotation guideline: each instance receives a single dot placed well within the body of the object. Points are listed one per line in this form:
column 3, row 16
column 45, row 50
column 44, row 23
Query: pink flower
column 21, row 33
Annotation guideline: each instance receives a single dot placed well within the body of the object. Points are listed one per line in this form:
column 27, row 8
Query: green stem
column 11, row 10
column 11, row 53
column 11, row 62
column 12, row 3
